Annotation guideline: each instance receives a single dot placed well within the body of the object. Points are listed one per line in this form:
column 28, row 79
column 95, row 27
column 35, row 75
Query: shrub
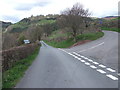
column 21, row 39
column 9, row 57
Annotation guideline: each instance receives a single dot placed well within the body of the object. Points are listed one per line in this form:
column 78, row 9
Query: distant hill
column 5, row 24
column 23, row 24
column 110, row 17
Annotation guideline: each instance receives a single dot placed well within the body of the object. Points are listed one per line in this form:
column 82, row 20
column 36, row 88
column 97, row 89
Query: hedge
column 10, row 56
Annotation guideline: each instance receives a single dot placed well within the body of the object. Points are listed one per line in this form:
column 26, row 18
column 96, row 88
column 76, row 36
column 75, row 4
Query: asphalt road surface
column 91, row 65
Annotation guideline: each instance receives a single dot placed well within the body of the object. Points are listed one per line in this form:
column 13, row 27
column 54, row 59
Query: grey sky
column 29, row 6
column 15, row 10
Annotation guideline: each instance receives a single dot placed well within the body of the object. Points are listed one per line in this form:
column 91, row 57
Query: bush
column 21, row 39
column 9, row 57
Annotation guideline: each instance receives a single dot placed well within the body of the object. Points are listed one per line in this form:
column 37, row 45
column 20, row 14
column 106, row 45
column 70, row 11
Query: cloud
column 29, row 6
column 15, row 10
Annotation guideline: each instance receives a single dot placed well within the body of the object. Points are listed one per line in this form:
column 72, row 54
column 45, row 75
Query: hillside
column 5, row 24
column 29, row 28
column 110, row 23
column 25, row 23
column 40, row 27
column 110, row 17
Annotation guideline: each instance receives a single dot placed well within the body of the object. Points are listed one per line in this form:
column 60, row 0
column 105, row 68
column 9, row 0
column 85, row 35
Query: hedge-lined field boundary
column 10, row 56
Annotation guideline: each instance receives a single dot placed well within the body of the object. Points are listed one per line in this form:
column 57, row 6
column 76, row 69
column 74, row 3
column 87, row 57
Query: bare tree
column 34, row 33
column 47, row 29
column 73, row 18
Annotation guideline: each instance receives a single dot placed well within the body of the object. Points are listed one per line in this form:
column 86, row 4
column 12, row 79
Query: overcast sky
column 15, row 10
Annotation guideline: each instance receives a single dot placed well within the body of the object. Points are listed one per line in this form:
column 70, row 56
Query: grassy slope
column 56, row 34
column 21, row 26
column 13, row 75
column 44, row 21
column 111, row 29
column 70, row 42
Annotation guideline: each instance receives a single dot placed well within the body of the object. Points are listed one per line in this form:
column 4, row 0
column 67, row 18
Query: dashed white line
column 90, row 60
column 63, row 50
column 87, row 63
column 92, row 66
column 77, row 54
column 101, row 71
column 112, row 77
column 118, row 74
column 82, row 56
column 96, row 63
column 79, row 58
column 85, row 58
column 111, row 70
column 82, row 60
column 70, row 54
column 74, row 56
column 102, row 66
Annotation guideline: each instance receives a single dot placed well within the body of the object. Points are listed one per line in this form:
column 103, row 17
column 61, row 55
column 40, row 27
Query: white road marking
column 90, row 60
column 97, row 45
column 101, row 71
column 79, row 58
column 91, row 47
column 77, row 54
column 118, row 74
column 69, row 53
column 82, row 60
column 82, row 56
column 96, row 63
column 92, row 66
column 112, row 77
column 85, row 58
column 63, row 50
column 87, row 63
column 74, row 56
column 82, row 50
column 102, row 66
column 111, row 70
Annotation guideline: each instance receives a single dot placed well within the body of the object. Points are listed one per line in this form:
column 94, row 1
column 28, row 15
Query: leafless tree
column 47, row 29
column 74, row 18
column 34, row 33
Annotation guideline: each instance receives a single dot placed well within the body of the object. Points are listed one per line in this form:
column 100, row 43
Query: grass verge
column 111, row 29
column 62, row 44
column 70, row 42
column 14, row 74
